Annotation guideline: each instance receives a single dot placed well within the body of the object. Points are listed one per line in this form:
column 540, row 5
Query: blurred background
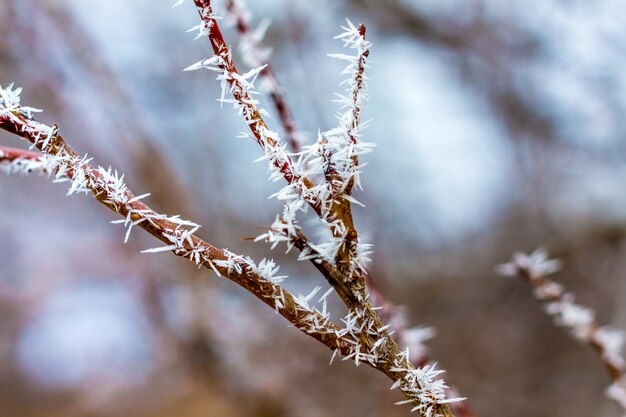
column 500, row 126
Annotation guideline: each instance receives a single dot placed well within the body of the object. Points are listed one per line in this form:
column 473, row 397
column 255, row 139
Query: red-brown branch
column 255, row 121
column 11, row 154
column 273, row 86
column 162, row 228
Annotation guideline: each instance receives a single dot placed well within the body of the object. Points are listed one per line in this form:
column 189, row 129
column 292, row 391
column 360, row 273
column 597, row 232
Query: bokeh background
column 500, row 126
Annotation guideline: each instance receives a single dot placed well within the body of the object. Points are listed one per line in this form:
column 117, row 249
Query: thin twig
column 14, row 160
column 257, row 57
column 606, row 341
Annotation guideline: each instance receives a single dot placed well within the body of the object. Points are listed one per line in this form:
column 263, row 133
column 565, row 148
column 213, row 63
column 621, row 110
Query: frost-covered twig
column 14, row 160
column 352, row 103
column 109, row 188
column 255, row 56
column 606, row 341
column 240, row 86
column 344, row 146
column 372, row 342
column 300, row 191
column 341, row 259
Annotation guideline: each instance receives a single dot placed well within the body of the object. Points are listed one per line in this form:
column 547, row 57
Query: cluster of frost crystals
column 333, row 158
column 422, row 385
column 10, row 106
column 61, row 163
column 580, row 320
column 535, row 265
column 315, row 319
column 357, row 327
column 611, row 342
column 559, row 305
column 22, row 116
column 180, row 237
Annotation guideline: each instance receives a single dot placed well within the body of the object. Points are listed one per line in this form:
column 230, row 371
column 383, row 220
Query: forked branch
column 363, row 329
column 109, row 188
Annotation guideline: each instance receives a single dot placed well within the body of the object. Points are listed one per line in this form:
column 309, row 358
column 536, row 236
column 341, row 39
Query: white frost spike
column 209, row 63
column 422, row 384
column 396, row 384
column 268, row 270
column 160, row 249
column 303, row 300
column 178, row 3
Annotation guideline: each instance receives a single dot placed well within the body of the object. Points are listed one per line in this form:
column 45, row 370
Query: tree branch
column 109, row 189
column 257, row 56
column 606, row 341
